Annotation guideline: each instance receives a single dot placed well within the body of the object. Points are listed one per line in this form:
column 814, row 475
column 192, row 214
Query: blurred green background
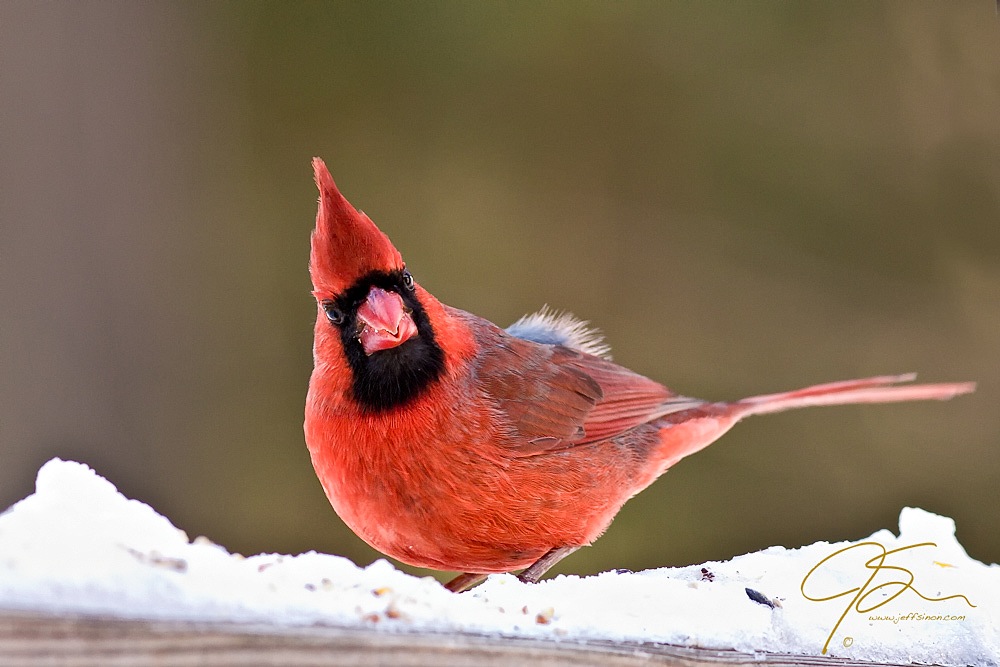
column 745, row 197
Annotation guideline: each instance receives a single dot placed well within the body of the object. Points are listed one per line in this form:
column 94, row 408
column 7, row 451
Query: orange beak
column 385, row 321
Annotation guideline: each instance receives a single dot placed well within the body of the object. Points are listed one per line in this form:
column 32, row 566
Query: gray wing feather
column 553, row 328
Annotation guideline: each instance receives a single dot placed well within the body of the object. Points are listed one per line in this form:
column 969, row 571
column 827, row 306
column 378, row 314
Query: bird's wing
column 556, row 397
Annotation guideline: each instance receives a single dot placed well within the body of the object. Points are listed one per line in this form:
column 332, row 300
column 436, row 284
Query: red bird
column 449, row 443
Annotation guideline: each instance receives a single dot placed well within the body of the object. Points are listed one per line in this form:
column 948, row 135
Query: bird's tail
column 687, row 432
column 881, row 389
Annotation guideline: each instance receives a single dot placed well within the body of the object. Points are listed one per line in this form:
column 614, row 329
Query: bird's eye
column 407, row 280
column 334, row 314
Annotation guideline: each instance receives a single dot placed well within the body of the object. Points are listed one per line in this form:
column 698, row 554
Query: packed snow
column 77, row 545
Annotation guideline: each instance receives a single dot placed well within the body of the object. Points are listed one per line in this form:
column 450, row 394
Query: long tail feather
column 880, row 389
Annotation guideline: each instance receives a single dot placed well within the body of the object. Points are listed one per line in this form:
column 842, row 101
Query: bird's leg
column 529, row 575
column 464, row 582
column 534, row 572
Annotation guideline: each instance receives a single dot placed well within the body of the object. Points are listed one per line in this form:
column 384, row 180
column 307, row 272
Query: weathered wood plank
column 85, row 641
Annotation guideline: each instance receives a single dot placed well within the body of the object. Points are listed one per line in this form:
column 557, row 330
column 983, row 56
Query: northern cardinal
column 449, row 443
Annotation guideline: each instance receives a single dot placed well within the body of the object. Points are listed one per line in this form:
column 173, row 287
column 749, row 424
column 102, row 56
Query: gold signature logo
column 902, row 581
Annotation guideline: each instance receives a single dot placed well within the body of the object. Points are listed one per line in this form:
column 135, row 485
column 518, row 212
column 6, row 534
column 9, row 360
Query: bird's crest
column 346, row 244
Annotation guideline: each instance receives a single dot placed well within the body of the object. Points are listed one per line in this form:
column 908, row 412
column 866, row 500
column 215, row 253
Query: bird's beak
column 385, row 321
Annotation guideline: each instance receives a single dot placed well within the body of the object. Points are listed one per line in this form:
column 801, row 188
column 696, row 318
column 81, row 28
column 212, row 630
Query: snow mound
column 78, row 546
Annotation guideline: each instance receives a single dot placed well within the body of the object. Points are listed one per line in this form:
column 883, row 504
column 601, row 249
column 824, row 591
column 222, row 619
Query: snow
column 77, row 545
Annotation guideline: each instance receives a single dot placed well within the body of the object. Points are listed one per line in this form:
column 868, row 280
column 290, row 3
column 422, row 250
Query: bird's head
column 368, row 305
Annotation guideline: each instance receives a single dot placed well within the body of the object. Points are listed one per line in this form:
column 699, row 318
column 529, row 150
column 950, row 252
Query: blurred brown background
column 746, row 197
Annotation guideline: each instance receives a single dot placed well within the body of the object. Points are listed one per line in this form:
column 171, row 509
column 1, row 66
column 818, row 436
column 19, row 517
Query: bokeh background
column 745, row 197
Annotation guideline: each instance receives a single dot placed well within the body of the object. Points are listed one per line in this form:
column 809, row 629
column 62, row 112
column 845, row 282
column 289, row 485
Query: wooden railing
column 36, row 640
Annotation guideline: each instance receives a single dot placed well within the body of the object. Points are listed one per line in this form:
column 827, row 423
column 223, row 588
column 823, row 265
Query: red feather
column 346, row 244
column 513, row 452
